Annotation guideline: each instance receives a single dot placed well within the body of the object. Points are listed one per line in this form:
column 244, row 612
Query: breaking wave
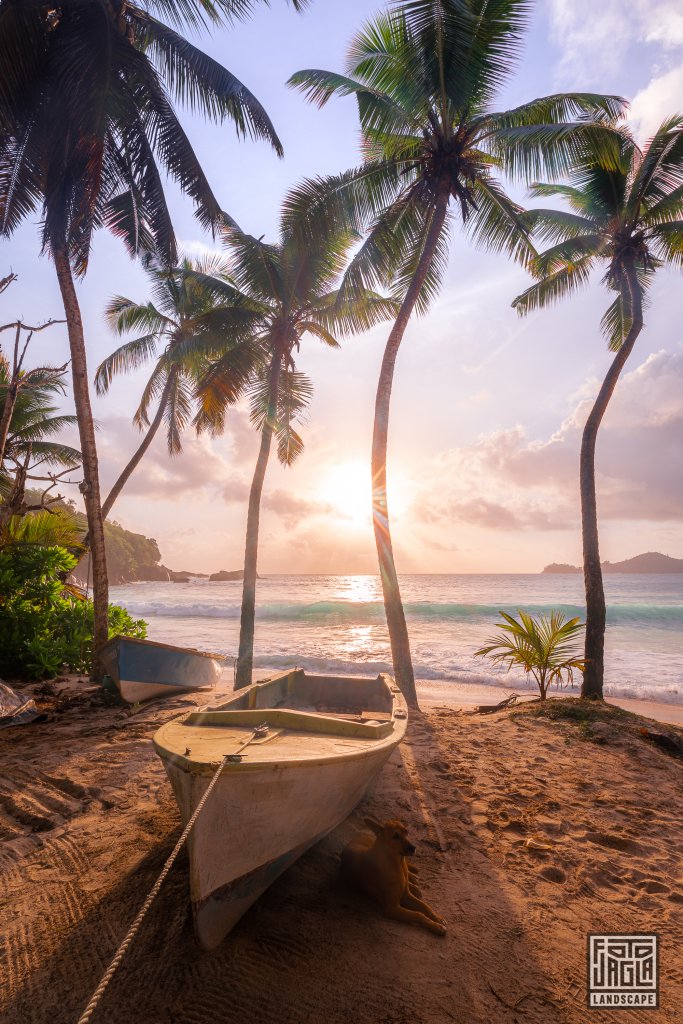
column 370, row 612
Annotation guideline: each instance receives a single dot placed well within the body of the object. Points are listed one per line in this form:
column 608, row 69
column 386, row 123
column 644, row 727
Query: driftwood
column 489, row 709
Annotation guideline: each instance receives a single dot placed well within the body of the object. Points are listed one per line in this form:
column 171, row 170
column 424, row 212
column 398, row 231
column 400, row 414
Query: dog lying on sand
column 378, row 865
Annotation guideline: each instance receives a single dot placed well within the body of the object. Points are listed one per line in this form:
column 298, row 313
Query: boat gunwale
column 158, row 643
column 191, row 766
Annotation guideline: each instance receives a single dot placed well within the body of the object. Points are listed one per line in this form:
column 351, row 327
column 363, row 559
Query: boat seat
column 295, row 720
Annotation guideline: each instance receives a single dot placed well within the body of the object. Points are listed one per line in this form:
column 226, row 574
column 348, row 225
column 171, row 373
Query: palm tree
column 280, row 292
column 31, row 449
column 186, row 313
column 86, row 127
column 425, row 76
column 14, row 376
column 628, row 220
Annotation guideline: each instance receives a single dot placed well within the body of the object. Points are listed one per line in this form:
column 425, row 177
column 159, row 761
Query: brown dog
column 379, row 866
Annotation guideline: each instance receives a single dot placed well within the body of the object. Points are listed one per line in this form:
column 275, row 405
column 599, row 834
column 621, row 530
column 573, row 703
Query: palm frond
column 497, row 224
column 668, row 243
column 567, row 253
column 528, row 152
column 125, row 359
column 558, row 225
column 346, row 202
column 555, row 286
column 202, row 83
column 561, row 108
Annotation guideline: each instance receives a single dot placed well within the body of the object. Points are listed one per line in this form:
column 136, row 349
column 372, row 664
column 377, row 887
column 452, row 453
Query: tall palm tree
column 86, row 128
column 186, row 313
column 425, row 77
column 627, row 220
column 281, row 292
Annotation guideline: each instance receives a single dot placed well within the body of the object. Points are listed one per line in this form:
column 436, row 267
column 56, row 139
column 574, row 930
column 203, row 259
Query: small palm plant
column 543, row 646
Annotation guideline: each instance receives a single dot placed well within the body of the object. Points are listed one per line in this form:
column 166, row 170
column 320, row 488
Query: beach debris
column 489, row 709
column 669, row 744
column 15, row 709
column 537, row 844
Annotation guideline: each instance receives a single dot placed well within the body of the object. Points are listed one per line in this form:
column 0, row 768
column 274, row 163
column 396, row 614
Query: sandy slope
column 87, row 820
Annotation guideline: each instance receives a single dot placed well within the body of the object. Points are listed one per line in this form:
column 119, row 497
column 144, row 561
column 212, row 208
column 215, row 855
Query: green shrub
column 43, row 630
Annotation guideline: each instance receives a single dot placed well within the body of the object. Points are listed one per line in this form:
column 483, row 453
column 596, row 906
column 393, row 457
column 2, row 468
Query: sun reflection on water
column 357, row 589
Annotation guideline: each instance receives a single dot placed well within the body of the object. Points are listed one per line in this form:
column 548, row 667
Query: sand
column 87, row 819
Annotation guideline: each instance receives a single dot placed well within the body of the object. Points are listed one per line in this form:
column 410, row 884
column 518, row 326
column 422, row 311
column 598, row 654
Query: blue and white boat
column 142, row 669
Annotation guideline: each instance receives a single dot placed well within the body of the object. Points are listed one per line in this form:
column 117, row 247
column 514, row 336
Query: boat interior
column 312, row 703
column 345, row 696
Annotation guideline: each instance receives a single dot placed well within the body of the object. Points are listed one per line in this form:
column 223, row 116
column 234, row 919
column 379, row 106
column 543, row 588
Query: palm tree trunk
column 10, row 397
column 245, row 657
column 90, row 488
column 144, row 445
column 396, row 621
column 135, row 459
column 596, row 612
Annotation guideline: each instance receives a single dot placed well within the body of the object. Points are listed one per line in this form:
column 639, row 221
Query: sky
column 487, row 409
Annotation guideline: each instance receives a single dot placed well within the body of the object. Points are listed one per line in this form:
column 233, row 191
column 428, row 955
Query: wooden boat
column 304, row 749
column 142, row 669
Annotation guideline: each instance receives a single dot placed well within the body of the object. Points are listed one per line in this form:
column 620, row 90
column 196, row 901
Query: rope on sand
column 134, row 928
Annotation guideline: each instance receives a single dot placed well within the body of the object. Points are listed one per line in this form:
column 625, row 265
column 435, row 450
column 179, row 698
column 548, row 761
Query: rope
column 134, row 928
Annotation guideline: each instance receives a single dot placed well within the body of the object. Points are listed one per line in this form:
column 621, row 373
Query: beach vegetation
column 625, row 219
column 89, row 129
column 32, row 451
column 425, row 76
column 57, row 525
column 45, row 626
column 544, row 646
column 13, row 377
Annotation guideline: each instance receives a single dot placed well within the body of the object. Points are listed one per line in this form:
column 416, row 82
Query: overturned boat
column 297, row 753
column 142, row 669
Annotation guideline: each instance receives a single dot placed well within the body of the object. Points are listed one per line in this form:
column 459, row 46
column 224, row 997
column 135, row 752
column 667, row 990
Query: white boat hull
column 134, row 692
column 325, row 739
column 255, row 825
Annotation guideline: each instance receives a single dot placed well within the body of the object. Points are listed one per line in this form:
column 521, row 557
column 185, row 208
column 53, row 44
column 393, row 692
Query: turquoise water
column 336, row 623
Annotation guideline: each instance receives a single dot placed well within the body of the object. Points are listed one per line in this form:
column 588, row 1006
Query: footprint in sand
column 651, row 885
column 612, row 841
column 553, row 874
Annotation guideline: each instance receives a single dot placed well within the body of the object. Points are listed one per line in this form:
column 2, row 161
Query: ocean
column 336, row 624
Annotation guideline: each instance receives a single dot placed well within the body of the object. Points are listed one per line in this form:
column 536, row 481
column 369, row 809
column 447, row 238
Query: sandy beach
column 87, row 819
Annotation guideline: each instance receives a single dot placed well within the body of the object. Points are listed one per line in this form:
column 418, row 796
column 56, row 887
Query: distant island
column 651, row 562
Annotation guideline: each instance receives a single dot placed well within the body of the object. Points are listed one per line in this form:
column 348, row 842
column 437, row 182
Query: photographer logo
column 622, row 971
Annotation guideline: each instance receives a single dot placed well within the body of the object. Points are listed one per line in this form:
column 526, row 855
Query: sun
column 347, row 488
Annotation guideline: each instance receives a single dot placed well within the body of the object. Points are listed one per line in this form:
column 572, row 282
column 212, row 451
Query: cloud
column 599, row 37
column 509, row 481
column 584, row 29
column 292, row 509
column 660, row 99
column 195, row 248
column 205, row 466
